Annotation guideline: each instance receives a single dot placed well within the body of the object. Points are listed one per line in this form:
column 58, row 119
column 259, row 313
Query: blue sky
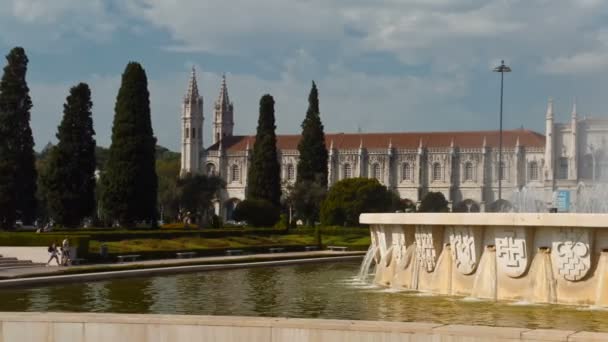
column 380, row 65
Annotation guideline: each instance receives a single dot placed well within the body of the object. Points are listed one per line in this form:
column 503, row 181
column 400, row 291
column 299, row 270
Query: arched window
column 210, row 169
column 563, row 168
column 406, row 172
column 376, row 171
column 533, row 171
column 436, row 171
column 501, row 171
column 348, row 172
column 468, row 171
column 235, row 173
column 291, row 173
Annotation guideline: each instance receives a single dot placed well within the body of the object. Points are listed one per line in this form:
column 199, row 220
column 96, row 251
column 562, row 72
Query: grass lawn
column 358, row 240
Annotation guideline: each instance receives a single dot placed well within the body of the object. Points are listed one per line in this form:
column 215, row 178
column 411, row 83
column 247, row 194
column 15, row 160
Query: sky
column 380, row 65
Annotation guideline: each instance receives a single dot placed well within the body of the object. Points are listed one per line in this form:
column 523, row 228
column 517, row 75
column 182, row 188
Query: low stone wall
column 89, row 327
column 541, row 258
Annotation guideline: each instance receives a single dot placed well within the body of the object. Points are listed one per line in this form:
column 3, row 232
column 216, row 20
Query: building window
column 376, row 171
column 291, row 173
column 468, row 171
column 533, row 171
column 348, row 172
column 210, row 169
column 407, row 172
column 187, row 132
column 563, row 168
column 436, row 172
column 501, row 171
column 193, row 133
column 235, row 173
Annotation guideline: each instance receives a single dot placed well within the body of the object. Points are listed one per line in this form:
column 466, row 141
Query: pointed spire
column 390, row 143
column 452, row 143
column 248, row 147
column 331, row 145
column 361, row 144
column 420, row 144
column 550, row 109
column 517, row 142
column 485, row 142
column 192, row 93
column 223, row 100
column 574, row 112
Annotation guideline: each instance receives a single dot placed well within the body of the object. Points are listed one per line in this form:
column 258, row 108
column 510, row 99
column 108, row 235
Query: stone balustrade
column 544, row 258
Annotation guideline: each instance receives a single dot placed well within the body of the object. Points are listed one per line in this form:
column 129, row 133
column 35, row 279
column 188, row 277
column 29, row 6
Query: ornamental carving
column 512, row 251
column 466, row 248
column 380, row 159
column 399, row 244
column 347, row 158
column 428, row 246
column 571, row 253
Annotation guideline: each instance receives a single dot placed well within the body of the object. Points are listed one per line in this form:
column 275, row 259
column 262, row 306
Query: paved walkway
column 149, row 264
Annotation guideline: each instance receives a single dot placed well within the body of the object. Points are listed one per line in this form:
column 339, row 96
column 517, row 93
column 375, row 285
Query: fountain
column 530, row 257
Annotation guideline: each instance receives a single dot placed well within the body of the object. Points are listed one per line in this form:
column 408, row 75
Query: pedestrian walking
column 65, row 252
column 53, row 254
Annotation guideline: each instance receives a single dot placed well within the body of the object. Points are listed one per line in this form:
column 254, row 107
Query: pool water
column 308, row 291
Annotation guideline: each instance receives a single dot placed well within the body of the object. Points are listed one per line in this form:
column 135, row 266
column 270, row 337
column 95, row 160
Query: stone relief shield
column 428, row 246
column 466, row 248
column 571, row 253
column 512, row 251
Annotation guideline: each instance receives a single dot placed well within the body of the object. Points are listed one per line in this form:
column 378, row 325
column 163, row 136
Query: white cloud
column 581, row 63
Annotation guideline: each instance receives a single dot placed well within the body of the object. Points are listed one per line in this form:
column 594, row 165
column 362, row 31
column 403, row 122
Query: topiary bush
column 257, row 213
column 434, row 202
column 348, row 198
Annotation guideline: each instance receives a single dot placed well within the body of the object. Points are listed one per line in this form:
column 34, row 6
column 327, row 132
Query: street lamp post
column 502, row 68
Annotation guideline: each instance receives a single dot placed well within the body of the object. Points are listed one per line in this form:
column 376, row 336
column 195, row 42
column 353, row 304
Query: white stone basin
column 534, row 257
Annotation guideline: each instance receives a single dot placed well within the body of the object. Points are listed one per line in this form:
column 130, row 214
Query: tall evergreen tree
column 129, row 181
column 312, row 165
column 263, row 179
column 69, row 178
column 17, row 160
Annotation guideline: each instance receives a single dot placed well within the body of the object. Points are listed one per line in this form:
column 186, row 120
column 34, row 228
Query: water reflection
column 319, row 291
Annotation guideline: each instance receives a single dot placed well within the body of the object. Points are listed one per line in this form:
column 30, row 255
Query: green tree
column 167, row 170
column 312, row 165
column 263, row 179
column 306, row 198
column 195, row 193
column 69, row 178
column 129, row 179
column 18, row 174
column 348, row 198
column 434, row 202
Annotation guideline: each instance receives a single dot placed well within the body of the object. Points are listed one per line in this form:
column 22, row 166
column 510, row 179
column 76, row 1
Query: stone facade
column 462, row 165
column 532, row 257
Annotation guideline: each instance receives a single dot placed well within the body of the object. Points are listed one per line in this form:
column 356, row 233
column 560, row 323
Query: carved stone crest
column 571, row 253
column 428, row 246
column 466, row 248
column 512, row 251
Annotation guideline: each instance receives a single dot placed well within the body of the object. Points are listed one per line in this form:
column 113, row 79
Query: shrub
column 257, row 212
column 434, row 202
column 348, row 198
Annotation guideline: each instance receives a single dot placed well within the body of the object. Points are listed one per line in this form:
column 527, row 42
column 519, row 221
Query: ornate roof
column 403, row 140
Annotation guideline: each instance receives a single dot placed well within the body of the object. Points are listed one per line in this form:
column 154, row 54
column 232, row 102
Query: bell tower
column 192, row 128
column 223, row 119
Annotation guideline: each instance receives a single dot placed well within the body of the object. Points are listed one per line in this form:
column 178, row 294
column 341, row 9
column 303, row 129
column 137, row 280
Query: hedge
column 25, row 239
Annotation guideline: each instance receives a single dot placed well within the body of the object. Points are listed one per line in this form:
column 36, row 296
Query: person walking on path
column 65, row 252
column 53, row 252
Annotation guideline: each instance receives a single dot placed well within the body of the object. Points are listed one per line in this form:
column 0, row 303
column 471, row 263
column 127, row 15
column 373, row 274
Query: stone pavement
column 163, row 263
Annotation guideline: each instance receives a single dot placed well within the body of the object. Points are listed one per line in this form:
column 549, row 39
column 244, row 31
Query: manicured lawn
column 359, row 239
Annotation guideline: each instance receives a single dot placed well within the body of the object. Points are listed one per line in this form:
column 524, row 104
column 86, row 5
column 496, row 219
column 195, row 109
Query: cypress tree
column 17, row 160
column 129, row 180
column 69, row 178
column 312, row 165
column 263, row 179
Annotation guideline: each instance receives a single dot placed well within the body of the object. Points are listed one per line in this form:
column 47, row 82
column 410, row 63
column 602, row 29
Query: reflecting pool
column 310, row 291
